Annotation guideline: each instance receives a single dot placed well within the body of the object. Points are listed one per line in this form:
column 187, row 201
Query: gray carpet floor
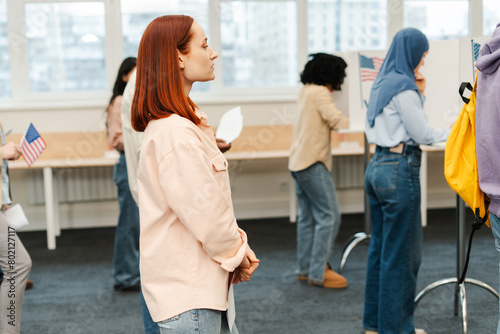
column 73, row 286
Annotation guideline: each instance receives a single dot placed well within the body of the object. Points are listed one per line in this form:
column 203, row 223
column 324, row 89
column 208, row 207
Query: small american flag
column 32, row 145
column 476, row 47
column 370, row 67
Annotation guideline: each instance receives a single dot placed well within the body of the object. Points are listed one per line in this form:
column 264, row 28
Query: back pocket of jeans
column 386, row 175
column 174, row 318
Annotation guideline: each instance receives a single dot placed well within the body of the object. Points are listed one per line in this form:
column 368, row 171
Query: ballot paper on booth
column 230, row 125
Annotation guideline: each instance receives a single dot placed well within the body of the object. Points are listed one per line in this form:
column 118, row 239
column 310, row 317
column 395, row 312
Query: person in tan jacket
column 191, row 248
column 310, row 164
column 15, row 261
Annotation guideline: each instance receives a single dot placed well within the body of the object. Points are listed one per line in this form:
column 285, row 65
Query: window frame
column 19, row 62
column 22, row 98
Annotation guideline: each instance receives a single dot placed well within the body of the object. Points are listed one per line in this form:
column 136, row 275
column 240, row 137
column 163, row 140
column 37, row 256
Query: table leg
column 57, row 225
column 49, row 206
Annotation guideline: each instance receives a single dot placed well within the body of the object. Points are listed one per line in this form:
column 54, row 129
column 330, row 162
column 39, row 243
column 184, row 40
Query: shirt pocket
column 221, row 174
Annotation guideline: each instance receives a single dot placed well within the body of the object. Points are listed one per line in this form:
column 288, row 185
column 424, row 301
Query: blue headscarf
column 397, row 72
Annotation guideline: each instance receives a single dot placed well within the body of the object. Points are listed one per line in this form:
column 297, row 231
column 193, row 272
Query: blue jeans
column 203, row 321
column 318, row 221
column 126, row 251
column 150, row 327
column 495, row 227
column 392, row 182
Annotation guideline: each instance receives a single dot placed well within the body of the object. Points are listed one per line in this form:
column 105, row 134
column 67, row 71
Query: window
column 258, row 49
column 136, row 15
column 69, row 50
column 438, row 19
column 5, row 79
column 346, row 26
column 491, row 9
column 66, row 46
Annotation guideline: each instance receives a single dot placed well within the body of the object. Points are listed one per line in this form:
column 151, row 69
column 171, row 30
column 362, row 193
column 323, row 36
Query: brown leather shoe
column 302, row 277
column 332, row 280
column 29, row 285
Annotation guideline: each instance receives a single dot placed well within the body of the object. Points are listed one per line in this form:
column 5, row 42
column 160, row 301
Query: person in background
column 132, row 147
column 126, row 255
column 397, row 124
column 487, row 128
column 191, row 246
column 15, row 273
column 310, row 164
column 126, row 252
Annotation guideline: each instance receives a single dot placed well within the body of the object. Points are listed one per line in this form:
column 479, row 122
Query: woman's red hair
column 159, row 90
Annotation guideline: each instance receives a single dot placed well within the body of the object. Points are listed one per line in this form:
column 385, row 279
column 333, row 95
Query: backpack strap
column 477, row 225
column 461, row 91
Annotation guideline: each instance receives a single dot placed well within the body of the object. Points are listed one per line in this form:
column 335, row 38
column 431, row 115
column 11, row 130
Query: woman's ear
column 180, row 57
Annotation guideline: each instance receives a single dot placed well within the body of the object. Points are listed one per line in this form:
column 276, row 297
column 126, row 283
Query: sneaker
column 332, row 280
column 370, row 332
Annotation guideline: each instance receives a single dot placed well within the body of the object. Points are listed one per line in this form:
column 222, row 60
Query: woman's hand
column 11, row 151
column 246, row 268
column 222, row 145
column 421, row 82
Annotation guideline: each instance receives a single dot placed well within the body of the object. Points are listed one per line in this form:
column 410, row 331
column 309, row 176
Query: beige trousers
column 15, row 263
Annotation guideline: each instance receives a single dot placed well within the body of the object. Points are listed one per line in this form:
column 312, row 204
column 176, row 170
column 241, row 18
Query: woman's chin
column 212, row 77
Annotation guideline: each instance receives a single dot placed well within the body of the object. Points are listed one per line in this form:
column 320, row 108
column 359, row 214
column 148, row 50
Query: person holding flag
column 15, row 271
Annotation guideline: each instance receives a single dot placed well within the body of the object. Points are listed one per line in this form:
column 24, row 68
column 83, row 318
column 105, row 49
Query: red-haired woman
column 191, row 246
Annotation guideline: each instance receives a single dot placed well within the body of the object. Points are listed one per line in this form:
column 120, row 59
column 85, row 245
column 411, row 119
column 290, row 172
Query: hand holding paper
column 230, row 125
column 15, row 217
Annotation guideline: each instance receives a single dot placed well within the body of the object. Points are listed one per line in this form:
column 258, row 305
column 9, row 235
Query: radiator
column 348, row 172
column 74, row 185
column 96, row 184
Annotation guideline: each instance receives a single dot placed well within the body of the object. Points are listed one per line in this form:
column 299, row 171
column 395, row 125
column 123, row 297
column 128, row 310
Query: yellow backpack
column 460, row 163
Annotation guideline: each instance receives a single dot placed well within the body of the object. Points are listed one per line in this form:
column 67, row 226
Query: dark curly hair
column 324, row 69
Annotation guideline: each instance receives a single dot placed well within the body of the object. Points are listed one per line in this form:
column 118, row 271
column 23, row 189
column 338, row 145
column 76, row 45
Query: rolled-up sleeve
column 330, row 114
column 199, row 195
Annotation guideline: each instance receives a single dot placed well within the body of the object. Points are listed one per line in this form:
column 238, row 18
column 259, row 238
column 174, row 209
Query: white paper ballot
column 230, row 125
column 231, row 311
column 16, row 217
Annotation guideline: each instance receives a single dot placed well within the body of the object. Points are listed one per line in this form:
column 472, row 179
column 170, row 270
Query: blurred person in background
column 310, row 164
column 15, row 262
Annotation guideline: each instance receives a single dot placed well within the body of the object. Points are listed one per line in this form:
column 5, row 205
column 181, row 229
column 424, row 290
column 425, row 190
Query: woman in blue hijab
column 397, row 124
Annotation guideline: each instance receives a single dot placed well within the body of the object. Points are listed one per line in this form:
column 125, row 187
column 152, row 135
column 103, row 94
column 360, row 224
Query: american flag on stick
column 369, row 67
column 32, row 145
column 475, row 50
